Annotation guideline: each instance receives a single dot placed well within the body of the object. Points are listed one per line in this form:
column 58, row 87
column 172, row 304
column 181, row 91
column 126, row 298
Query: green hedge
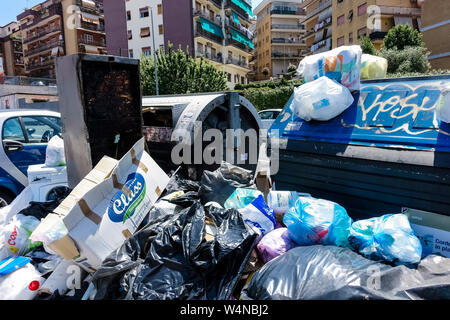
column 268, row 98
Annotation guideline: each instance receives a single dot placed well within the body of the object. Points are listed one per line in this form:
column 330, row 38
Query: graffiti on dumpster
column 398, row 107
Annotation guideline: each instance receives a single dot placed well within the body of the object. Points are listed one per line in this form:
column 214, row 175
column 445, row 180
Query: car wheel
column 5, row 199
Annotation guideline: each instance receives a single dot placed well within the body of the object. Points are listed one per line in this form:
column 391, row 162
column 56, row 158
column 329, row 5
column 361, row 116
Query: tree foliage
column 402, row 36
column 367, row 46
column 179, row 73
column 410, row 59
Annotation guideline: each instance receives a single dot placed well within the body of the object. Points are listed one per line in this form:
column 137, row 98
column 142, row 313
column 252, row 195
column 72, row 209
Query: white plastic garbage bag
column 55, row 153
column 373, row 67
column 21, row 202
column 342, row 64
column 443, row 107
column 15, row 236
column 322, row 99
column 22, row 284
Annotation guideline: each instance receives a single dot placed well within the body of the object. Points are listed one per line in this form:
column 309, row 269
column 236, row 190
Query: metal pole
column 154, row 54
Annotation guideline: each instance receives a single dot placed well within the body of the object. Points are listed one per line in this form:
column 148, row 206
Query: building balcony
column 288, row 27
column 41, row 33
column 92, row 26
column 208, row 35
column 239, row 45
column 206, row 16
column 41, row 48
column 38, row 65
column 241, row 12
column 237, row 62
column 209, row 56
column 288, row 11
column 90, row 6
column 92, row 42
column 280, row 55
column 316, row 11
column 217, row 3
column 287, row 41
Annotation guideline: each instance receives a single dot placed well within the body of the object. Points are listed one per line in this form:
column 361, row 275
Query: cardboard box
column 107, row 206
column 432, row 229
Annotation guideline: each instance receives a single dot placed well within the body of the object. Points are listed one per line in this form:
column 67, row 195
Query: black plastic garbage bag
column 171, row 259
column 178, row 182
column 333, row 273
column 40, row 210
column 218, row 185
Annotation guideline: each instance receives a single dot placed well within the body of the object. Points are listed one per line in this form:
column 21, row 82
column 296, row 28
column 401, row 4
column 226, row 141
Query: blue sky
column 11, row 8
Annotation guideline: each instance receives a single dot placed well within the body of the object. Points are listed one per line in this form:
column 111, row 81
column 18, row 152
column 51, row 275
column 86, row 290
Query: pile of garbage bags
column 217, row 238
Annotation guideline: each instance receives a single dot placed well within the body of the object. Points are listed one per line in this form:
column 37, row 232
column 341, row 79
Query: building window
column 242, row 80
column 130, row 35
column 128, row 15
column 340, row 20
column 229, row 77
column 350, row 38
column 350, row 15
column 144, row 12
column 362, row 32
column 131, row 54
column 200, row 47
column 88, row 37
column 362, row 9
column 340, row 41
column 147, row 51
column 161, row 29
column 159, row 8
column 145, row 32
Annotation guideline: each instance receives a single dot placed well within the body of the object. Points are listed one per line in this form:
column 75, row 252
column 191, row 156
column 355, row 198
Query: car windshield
column 269, row 115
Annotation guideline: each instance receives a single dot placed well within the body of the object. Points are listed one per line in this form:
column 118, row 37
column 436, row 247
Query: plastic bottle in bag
column 55, row 156
column 322, row 99
column 318, row 221
column 22, row 284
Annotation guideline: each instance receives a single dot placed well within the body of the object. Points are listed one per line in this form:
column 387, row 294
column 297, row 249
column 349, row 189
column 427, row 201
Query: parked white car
column 268, row 117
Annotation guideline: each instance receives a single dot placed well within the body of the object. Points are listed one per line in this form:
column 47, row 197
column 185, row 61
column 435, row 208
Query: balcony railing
column 321, row 7
column 98, row 10
column 237, row 62
column 202, row 33
column 205, row 15
column 297, row 12
column 42, row 33
column 238, row 10
column 38, row 65
column 285, row 55
column 209, row 56
column 217, row 3
column 237, row 44
column 92, row 42
column 377, row 35
column 287, row 41
column 44, row 47
column 92, row 26
column 288, row 27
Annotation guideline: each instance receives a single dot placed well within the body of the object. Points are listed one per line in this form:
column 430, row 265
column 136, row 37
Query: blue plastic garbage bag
column 389, row 238
column 259, row 215
column 317, row 221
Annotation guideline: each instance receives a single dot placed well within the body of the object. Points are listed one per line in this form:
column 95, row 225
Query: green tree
column 410, row 59
column 291, row 72
column 402, row 36
column 367, row 46
column 179, row 73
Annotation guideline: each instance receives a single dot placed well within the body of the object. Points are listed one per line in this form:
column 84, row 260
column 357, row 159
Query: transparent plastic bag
column 318, row 221
column 388, row 238
column 241, row 198
column 373, row 67
column 342, row 64
column 322, row 99
column 55, row 156
column 443, row 107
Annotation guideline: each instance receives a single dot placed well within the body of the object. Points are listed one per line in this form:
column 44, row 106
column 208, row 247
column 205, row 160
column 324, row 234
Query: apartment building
column 436, row 31
column 140, row 31
column 318, row 25
column 280, row 40
column 60, row 27
column 11, row 52
column 353, row 19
